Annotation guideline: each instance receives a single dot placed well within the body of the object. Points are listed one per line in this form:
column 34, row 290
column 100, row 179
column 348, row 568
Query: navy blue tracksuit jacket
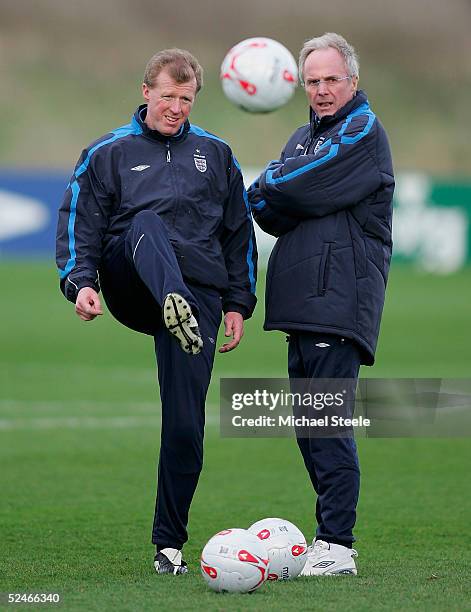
column 191, row 180
column 329, row 200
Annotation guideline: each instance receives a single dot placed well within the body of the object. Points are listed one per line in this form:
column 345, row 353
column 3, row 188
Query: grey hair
column 330, row 39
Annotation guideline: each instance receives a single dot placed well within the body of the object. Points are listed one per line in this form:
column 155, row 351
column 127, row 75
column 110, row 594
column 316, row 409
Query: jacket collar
column 140, row 116
column 358, row 99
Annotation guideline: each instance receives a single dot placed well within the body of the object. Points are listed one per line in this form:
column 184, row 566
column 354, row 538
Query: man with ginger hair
column 156, row 215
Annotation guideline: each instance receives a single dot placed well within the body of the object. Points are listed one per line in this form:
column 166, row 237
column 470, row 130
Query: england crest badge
column 200, row 161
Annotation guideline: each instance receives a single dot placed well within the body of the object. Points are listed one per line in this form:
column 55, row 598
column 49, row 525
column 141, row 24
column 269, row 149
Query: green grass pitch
column 79, row 437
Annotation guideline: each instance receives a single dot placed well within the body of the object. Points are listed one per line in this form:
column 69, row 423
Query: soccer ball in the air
column 259, row 75
column 286, row 545
column 234, row 560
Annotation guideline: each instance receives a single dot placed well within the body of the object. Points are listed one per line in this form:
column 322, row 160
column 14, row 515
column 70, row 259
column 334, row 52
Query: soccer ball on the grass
column 286, row 545
column 259, row 75
column 234, row 560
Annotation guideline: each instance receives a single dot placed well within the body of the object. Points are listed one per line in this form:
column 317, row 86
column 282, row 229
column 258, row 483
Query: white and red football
column 286, row 545
column 236, row 561
column 259, row 75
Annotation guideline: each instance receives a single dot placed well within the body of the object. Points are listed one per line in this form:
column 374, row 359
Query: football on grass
column 286, row 547
column 234, row 560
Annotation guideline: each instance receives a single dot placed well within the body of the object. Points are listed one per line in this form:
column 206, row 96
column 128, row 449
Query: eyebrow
column 329, row 76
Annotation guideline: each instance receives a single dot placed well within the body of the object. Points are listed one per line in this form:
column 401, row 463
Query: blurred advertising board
column 431, row 226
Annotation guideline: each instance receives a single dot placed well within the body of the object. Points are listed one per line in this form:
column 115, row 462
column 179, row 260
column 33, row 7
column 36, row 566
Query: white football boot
column 327, row 559
column 181, row 323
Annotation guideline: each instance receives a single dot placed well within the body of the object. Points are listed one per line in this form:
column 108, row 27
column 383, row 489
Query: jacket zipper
column 174, row 183
column 324, row 269
column 313, row 138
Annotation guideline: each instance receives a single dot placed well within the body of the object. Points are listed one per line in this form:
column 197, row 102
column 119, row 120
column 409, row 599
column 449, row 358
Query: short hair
column 330, row 39
column 181, row 65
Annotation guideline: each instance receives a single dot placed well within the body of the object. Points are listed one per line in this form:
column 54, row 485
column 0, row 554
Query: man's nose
column 322, row 88
column 176, row 106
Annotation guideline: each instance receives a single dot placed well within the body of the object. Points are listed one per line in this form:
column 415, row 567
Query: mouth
column 324, row 105
column 171, row 120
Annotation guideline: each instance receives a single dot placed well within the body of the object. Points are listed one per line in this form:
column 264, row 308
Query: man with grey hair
column 156, row 215
column 328, row 200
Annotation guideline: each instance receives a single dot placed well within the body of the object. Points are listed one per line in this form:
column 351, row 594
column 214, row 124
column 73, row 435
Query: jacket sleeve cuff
column 233, row 307
column 70, row 288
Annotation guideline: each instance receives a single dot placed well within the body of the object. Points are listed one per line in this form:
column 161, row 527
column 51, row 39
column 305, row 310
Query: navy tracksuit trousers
column 332, row 463
column 138, row 270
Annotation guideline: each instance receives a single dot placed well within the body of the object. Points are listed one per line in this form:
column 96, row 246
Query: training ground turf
column 79, row 431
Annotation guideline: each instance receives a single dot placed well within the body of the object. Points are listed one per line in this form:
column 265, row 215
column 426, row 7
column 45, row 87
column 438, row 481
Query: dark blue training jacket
column 329, row 199
column 191, row 180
